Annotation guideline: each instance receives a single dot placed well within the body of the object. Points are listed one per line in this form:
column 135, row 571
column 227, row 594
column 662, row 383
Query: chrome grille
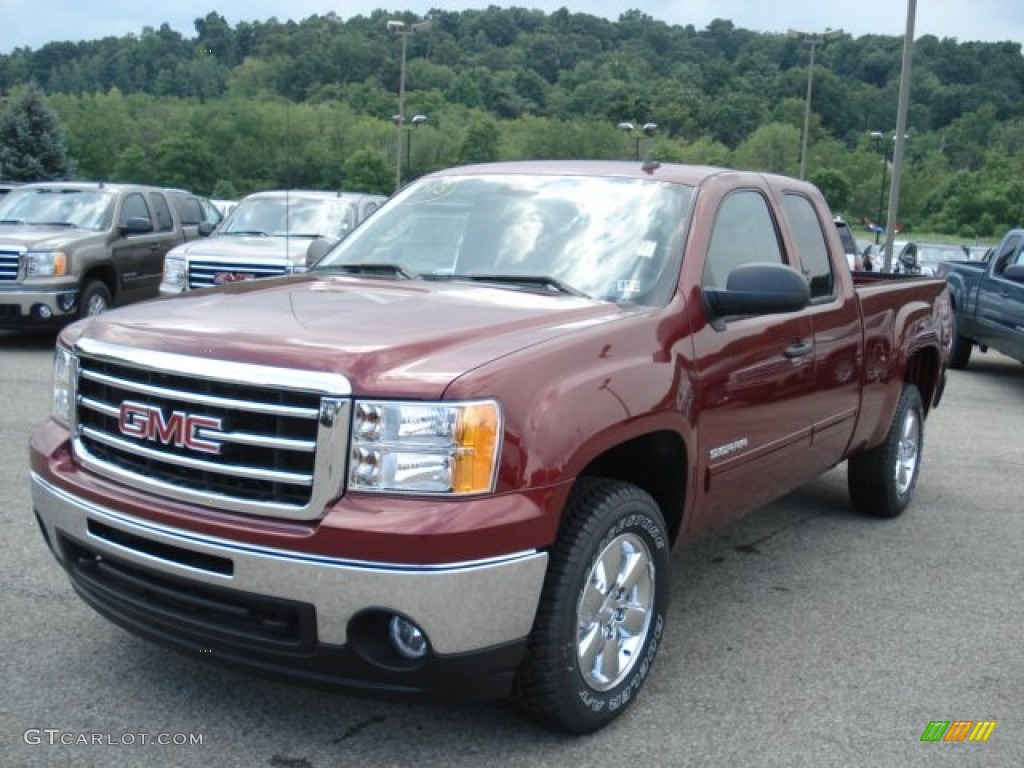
column 10, row 264
column 203, row 274
column 251, row 439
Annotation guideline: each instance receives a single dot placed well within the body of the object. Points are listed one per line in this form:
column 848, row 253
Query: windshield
column 53, row 206
column 293, row 216
column 606, row 238
column 936, row 253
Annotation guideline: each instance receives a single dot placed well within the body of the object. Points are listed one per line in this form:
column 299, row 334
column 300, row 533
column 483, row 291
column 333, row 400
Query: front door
column 756, row 378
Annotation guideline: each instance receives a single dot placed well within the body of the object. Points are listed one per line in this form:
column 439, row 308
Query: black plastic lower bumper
column 276, row 638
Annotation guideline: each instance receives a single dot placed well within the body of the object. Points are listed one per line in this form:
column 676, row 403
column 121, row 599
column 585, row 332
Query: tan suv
column 73, row 249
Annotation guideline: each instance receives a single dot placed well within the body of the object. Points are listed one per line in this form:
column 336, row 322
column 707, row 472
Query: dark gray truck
column 988, row 300
column 73, row 249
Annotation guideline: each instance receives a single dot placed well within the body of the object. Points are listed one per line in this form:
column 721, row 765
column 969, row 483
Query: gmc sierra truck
column 988, row 301
column 73, row 249
column 268, row 234
column 451, row 460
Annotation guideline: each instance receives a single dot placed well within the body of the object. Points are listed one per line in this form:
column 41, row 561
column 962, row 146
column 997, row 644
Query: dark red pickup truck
column 451, row 461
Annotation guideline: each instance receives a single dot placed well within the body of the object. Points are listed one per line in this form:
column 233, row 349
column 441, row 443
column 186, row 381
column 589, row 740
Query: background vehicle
column 853, row 254
column 927, row 256
column 199, row 217
column 451, row 460
column 268, row 234
column 71, row 249
column 988, row 299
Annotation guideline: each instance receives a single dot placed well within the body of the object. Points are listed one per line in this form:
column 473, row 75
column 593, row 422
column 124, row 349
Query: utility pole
column 813, row 39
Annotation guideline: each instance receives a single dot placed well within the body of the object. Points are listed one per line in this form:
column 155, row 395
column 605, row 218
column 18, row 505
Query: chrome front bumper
column 462, row 607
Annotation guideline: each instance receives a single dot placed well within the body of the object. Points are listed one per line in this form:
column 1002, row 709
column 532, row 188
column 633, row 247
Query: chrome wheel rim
column 614, row 610
column 908, row 451
column 97, row 305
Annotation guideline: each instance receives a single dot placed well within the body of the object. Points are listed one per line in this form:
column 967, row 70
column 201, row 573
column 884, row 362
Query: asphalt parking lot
column 805, row 635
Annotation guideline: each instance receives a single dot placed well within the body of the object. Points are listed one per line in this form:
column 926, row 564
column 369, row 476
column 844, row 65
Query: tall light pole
column 813, row 39
column 403, row 30
column 415, row 122
column 877, row 137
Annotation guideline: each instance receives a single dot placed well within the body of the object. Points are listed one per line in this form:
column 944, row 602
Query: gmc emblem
column 223, row 278
column 181, row 429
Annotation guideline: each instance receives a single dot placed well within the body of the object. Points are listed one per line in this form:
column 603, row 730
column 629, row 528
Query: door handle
column 799, row 349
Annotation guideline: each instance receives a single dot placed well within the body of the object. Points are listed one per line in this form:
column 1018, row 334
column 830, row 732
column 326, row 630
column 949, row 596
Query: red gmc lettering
column 180, row 429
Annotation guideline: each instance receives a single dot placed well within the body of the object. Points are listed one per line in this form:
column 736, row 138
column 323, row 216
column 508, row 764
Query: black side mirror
column 1014, row 272
column 317, row 249
column 138, row 225
column 205, row 228
column 758, row 289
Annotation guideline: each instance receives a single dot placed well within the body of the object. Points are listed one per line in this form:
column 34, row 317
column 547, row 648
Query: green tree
column 184, row 161
column 835, row 186
column 133, row 166
column 367, row 170
column 32, row 143
column 481, row 143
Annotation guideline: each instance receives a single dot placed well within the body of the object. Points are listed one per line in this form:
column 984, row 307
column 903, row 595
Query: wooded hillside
column 311, row 104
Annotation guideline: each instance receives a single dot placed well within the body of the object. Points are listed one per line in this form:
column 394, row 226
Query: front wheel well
column 105, row 274
column 655, row 462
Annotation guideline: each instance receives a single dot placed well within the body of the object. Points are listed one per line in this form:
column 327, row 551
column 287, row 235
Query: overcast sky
column 33, row 23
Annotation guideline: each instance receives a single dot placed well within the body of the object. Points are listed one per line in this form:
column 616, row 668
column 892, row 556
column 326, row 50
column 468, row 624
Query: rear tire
column 882, row 480
column 602, row 610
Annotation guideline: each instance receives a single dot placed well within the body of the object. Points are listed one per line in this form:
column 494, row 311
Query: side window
column 189, row 211
column 811, row 245
column 134, row 207
column 744, row 233
column 1005, row 256
column 164, row 222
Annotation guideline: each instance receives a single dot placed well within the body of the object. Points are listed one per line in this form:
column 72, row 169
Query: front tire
column 602, row 611
column 960, row 352
column 95, row 299
column 882, row 480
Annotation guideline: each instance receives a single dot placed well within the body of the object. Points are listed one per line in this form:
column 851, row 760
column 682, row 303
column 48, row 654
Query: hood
column 40, row 238
column 247, row 248
column 401, row 338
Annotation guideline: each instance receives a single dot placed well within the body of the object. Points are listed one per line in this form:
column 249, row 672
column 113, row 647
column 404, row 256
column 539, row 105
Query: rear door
column 837, row 332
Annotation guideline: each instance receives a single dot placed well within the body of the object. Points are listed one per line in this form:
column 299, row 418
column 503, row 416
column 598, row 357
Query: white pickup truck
column 268, row 234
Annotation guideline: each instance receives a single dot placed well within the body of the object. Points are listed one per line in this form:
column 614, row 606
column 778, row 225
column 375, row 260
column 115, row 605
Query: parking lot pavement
column 805, row 635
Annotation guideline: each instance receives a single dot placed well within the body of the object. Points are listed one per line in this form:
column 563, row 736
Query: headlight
column 46, row 263
column 64, row 365
column 438, row 448
column 174, row 270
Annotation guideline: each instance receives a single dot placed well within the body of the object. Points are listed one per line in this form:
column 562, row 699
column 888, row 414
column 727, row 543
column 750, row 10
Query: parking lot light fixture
column 647, row 129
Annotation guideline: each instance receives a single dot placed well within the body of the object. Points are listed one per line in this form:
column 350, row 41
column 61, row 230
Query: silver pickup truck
column 268, row 234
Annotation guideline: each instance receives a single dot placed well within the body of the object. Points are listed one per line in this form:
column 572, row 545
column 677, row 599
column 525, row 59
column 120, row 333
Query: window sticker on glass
column 627, row 287
column 646, row 249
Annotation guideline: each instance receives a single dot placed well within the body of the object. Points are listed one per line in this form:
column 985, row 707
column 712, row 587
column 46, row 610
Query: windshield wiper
column 540, row 281
column 63, row 224
column 245, row 232
column 12, row 221
column 377, row 269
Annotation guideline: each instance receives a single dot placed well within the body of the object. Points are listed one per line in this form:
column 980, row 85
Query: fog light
column 408, row 639
column 67, row 301
column 42, row 311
